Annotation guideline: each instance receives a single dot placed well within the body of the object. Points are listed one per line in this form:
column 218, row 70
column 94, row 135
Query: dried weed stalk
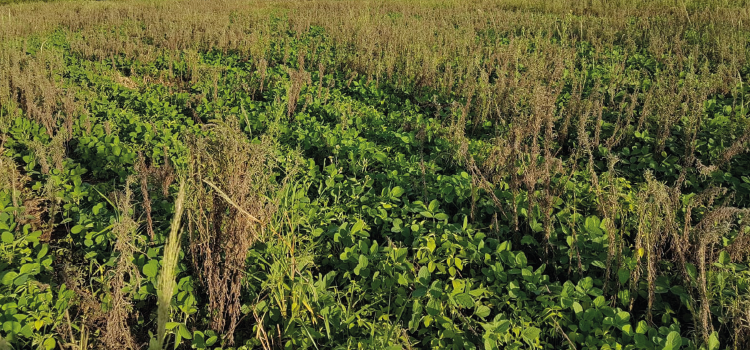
column 116, row 332
column 228, row 207
column 660, row 234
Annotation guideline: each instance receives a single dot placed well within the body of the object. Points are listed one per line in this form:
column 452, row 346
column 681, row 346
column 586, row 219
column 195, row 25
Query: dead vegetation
column 228, row 208
column 117, row 332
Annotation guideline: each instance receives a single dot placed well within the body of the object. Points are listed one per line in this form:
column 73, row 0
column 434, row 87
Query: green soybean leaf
column 184, row 332
column 151, row 269
column 212, row 340
column 433, row 206
column 482, row 311
column 627, row 329
column 401, row 254
column 29, row 268
column 459, row 264
column 724, row 258
column 199, row 339
column 586, row 284
column 433, row 307
column 577, row 308
column 358, row 226
column 592, row 225
column 21, row 279
column 431, row 245
column 397, row 192
column 713, row 341
column 566, row 302
column 8, row 237
column 441, row 216
column 623, row 275
column 599, row 264
column 600, row 301
column 416, row 316
column 674, row 341
column 465, row 300
column 11, row 326
column 26, row 330
column 424, row 275
column 419, row 292
column 9, row 277
column 641, row 341
column 43, row 251
column 458, row 286
column 521, row 259
column 171, row 325
column 531, row 335
column 363, row 261
column 642, row 327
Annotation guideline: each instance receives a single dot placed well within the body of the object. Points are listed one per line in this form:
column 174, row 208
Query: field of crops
column 391, row 174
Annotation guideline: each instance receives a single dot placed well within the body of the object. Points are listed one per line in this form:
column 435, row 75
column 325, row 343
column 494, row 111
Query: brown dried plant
column 32, row 84
column 116, row 332
column 228, row 207
column 298, row 79
column 11, row 179
column 706, row 237
column 159, row 175
column 657, row 223
column 659, row 234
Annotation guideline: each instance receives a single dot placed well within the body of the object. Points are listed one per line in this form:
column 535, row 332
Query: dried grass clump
column 691, row 245
column 160, row 175
column 11, row 179
column 298, row 79
column 706, row 239
column 116, row 332
column 657, row 223
column 39, row 208
column 229, row 181
column 15, row 183
column 740, row 311
column 32, row 84
column 522, row 104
